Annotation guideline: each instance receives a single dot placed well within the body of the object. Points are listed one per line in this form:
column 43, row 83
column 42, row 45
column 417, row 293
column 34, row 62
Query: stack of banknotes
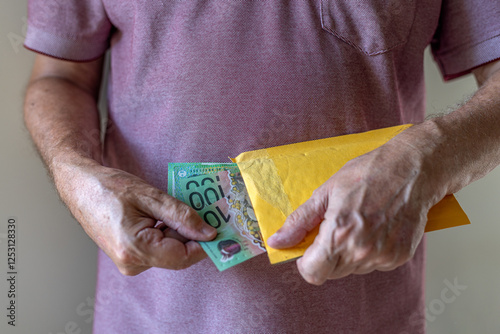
column 217, row 193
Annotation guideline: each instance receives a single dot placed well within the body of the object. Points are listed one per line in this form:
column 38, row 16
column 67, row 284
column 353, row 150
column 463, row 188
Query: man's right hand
column 137, row 225
column 120, row 212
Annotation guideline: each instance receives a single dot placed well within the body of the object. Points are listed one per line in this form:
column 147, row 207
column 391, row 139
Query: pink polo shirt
column 201, row 80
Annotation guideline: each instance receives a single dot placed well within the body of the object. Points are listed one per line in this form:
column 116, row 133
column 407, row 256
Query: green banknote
column 218, row 194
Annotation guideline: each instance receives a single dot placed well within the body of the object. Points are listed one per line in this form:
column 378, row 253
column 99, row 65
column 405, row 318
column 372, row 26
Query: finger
column 177, row 215
column 388, row 267
column 161, row 226
column 169, row 253
column 315, row 269
column 173, row 254
column 363, row 270
column 300, row 222
column 354, row 258
column 170, row 233
column 342, row 269
column 386, row 261
column 317, row 263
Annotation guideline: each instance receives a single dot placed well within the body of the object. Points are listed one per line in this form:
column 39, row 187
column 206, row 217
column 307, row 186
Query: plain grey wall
column 56, row 260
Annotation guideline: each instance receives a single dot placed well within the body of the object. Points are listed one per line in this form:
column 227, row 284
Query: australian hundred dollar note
column 218, row 194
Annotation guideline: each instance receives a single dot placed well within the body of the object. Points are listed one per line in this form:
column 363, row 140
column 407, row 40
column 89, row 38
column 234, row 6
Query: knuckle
column 394, row 258
column 156, row 193
column 386, row 261
column 404, row 257
column 317, row 192
column 407, row 254
column 188, row 214
column 295, row 216
column 124, row 256
column 182, row 213
column 319, row 197
column 128, row 271
column 361, row 254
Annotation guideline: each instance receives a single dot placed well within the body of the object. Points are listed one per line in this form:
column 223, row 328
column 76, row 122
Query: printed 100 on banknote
column 219, row 196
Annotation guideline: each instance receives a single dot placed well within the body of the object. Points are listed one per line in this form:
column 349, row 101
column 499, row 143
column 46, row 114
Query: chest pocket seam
column 335, row 20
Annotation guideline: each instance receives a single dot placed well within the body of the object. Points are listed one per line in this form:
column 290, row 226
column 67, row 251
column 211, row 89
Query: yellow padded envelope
column 279, row 179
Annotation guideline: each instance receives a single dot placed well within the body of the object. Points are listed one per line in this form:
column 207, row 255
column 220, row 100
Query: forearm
column 462, row 146
column 63, row 121
column 117, row 210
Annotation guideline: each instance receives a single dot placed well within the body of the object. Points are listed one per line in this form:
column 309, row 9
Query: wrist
column 69, row 171
column 420, row 148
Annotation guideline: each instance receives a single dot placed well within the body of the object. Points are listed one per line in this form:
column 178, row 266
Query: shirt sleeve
column 468, row 36
column 76, row 30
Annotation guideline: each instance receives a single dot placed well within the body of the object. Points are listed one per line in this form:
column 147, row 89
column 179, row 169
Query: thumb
column 180, row 217
column 301, row 221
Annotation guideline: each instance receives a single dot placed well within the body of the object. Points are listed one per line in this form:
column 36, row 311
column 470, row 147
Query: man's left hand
column 372, row 214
